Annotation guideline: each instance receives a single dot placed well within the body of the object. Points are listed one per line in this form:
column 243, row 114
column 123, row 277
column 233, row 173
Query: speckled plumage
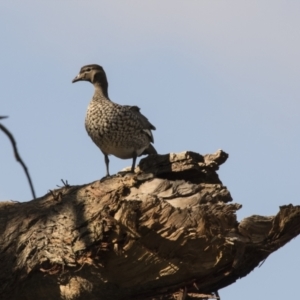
column 119, row 130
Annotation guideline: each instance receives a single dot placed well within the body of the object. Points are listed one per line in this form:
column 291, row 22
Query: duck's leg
column 106, row 159
column 133, row 163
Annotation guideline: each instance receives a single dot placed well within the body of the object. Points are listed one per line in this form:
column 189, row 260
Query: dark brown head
column 94, row 74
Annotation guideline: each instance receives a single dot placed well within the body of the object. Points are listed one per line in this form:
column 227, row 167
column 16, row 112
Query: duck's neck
column 101, row 90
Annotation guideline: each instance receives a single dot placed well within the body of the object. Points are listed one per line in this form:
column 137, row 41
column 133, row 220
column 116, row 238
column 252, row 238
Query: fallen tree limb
column 166, row 232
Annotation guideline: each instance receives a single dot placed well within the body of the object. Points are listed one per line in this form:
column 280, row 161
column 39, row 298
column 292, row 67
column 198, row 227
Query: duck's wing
column 146, row 125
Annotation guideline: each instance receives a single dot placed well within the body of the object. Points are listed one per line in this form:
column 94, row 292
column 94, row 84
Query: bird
column 119, row 130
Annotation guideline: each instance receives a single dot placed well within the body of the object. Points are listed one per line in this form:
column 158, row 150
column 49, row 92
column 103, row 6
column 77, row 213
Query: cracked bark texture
column 169, row 231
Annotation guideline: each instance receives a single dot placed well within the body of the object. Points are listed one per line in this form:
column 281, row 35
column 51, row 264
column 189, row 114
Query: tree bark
column 169, row 231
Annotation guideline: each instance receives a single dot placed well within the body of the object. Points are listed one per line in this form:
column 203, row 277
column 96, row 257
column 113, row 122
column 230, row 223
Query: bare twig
column 262, row 263
column 65, row 183
column 56, row 195
column 17, row 156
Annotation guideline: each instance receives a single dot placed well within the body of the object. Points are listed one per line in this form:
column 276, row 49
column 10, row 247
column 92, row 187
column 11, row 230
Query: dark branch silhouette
column 17, row 155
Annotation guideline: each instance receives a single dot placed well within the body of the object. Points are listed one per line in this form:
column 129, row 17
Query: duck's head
column 92, row 73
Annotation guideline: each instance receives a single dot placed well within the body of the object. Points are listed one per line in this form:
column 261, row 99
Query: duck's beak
column 77, row 78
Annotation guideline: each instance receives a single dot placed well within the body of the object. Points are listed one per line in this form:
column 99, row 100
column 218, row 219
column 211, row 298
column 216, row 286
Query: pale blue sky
column 207, row 74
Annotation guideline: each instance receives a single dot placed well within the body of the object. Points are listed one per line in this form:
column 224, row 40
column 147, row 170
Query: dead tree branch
column 169, row 231
column 17, row 155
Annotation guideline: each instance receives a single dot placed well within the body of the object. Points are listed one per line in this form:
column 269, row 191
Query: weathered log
column 169, row 230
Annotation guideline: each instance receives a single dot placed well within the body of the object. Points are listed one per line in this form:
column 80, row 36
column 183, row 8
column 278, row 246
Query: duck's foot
column 119, row 174
column 107, row 177
column 125, row 172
